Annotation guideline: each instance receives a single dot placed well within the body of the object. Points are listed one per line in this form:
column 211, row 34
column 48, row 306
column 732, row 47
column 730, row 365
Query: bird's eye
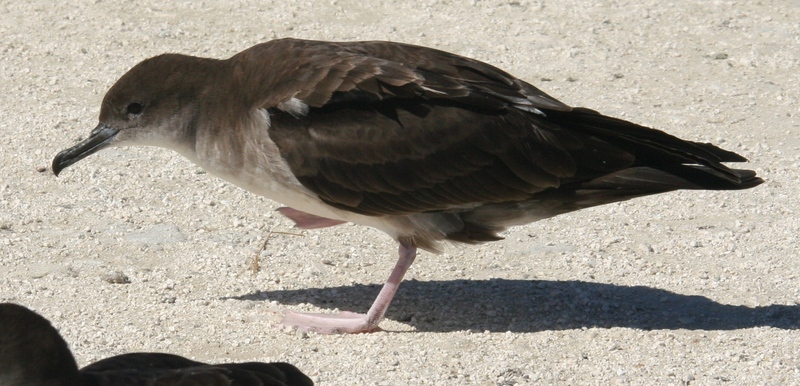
column 134, row 108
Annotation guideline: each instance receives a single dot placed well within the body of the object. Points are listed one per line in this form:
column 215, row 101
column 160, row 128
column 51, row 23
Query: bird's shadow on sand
column 499, row 305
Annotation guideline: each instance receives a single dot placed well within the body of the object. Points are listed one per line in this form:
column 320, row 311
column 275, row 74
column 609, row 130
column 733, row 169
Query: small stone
column 117, row 277
column 301, row 334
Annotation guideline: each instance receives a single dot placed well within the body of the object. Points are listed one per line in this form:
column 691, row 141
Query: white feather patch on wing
column 428, row 89
column 265, row 114
column 294, row 106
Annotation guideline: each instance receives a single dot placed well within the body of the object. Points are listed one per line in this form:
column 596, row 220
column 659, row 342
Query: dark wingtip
column 748, row 178
column 722, row 154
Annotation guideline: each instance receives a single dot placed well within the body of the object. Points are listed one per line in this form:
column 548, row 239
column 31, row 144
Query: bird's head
column 32, row 352
column 152, row 104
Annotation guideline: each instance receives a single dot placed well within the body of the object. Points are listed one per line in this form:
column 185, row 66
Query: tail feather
column 650, row 162
column 655, row 148
column 615, row 187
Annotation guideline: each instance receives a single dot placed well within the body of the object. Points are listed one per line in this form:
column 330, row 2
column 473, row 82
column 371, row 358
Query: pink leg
column 307, row 220
column 350, row 322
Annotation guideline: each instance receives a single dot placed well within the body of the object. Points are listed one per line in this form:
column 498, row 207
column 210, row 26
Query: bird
column 33, row 353
column 427, row 146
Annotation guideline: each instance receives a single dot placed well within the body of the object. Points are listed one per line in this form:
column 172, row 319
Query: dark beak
column 101, row 137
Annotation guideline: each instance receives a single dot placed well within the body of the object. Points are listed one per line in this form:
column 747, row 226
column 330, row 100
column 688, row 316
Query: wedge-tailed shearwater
column 33, row 353
column 422, row 144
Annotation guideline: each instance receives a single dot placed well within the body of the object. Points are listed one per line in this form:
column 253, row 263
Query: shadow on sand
column 499, row 305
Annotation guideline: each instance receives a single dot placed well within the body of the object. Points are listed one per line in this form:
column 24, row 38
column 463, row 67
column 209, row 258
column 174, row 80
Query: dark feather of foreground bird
column 422, row 144
column 33, row 353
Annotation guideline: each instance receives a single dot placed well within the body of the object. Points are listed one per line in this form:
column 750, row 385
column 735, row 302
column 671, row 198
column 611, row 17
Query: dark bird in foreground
column 422, row 144
column 33, row 353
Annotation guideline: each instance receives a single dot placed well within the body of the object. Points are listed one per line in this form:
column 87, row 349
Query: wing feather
column 396, row 129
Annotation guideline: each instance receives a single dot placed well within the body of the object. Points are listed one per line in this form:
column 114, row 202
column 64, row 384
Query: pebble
column 116, row 277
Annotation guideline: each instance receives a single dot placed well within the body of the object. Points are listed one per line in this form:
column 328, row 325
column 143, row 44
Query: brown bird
column 424, row 145
column 33, row 353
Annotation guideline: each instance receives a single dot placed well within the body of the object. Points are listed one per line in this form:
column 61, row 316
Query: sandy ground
column 695, row 288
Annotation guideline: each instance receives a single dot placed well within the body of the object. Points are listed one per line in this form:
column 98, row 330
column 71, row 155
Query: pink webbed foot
column 342, row 323
column 353, row 323
column 307, row 220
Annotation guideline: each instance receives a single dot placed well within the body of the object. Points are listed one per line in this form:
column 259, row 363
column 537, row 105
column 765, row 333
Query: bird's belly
column 296, row 196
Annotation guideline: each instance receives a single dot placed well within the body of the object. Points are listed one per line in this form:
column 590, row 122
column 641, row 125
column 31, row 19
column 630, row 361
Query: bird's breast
column 248, row 158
